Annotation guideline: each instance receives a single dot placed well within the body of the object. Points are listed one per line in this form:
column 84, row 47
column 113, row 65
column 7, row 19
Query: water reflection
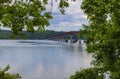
column 43, row 62
column 73, row 48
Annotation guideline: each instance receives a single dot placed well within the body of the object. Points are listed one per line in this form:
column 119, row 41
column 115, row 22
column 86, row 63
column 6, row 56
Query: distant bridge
column 65, row 37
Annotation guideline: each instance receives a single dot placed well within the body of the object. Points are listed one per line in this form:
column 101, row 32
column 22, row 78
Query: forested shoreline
column 7, row 34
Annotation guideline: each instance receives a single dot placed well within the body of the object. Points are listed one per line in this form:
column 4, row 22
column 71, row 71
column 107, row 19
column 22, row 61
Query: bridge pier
column 63, row 39
column 71, row 40
column 79, row 41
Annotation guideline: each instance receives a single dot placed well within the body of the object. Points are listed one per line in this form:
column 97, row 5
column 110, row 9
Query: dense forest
column 7, row 34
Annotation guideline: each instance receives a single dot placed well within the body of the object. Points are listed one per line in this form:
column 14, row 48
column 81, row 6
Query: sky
column 71, row 21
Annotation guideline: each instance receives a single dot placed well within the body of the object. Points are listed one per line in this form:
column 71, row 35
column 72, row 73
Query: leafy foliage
column 27, row 14
column 89, row 73
column 5, row 75
column 103, row 35
column 24, row 15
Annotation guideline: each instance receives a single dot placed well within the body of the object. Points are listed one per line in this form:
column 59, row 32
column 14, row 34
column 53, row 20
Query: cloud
column 71, row 21
column 66, row 26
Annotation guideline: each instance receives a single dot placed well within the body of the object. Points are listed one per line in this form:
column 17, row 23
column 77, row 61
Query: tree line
column 7, row 34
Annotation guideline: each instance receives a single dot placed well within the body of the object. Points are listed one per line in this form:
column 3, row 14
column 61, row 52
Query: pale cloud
column 75, row 10
column 66, row 26
column 74, row 7
column 79, row 16
column 62, row 28
column 71, row 21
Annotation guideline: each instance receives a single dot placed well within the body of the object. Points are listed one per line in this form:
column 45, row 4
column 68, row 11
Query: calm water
column 41, row 59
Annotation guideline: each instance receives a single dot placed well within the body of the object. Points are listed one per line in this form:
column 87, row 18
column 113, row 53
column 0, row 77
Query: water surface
column 43, row 59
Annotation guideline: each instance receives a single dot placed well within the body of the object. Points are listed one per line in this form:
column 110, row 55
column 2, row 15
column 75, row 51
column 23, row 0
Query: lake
column 43, row 59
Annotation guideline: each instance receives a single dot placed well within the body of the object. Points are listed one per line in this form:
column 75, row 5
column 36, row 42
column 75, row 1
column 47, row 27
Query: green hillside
column 7, row 34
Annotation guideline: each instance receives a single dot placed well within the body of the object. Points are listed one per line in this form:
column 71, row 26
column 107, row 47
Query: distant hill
column 7, row 34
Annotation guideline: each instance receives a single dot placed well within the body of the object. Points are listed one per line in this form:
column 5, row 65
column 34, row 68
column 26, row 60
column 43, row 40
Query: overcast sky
column 71, row 21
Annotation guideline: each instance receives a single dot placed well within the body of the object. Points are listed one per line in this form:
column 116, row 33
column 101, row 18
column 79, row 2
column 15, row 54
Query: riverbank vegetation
column 103, row 39
column 7, row 34
column 5, row 75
